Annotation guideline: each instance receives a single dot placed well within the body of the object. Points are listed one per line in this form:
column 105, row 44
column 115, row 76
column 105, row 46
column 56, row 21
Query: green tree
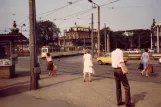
column 47, row 33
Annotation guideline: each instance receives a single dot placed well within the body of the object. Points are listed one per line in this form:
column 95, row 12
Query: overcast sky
column 121, row 15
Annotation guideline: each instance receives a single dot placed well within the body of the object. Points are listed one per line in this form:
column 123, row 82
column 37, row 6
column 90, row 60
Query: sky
column 120, row 15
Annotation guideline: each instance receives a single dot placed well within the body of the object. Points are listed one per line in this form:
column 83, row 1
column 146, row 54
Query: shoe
column 90, row 80
column 130, row 105
column 147, row 75
column 141, row 73
column 122, row 103
column 84, row 80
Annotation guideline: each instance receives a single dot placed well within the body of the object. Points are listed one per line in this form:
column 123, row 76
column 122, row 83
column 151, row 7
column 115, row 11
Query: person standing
column 145, row 59
column 49, row 63
column 120, row 72
column 87, row 65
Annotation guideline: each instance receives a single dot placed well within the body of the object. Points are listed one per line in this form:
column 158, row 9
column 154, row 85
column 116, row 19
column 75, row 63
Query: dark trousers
column 121, row 78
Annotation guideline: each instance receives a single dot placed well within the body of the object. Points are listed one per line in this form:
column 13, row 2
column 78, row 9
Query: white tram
column 49, row 49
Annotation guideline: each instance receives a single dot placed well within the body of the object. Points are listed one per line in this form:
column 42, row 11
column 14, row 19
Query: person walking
column 145, row 59
column 87, row 65
column 49, row 63
column 120, row 72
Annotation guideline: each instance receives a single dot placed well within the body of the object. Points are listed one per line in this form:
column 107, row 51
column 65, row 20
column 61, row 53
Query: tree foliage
column 140, row 38
column 47, row 33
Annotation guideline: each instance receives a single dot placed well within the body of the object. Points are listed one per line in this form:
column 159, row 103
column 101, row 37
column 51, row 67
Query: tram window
column 50, row 50
column 44, row 50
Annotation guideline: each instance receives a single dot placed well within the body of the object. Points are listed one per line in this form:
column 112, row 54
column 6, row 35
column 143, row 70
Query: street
column 67, row 89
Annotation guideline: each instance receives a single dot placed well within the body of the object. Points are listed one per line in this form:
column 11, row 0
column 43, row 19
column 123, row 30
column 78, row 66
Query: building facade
column 76, row 37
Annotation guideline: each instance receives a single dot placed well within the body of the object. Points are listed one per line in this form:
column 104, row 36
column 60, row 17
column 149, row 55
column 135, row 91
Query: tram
column 49, row 49
column 60, row 51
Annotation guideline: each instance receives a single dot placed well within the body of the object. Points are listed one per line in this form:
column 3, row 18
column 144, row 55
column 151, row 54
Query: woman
column 145, row 59
column 49, row 63
column 87, row 65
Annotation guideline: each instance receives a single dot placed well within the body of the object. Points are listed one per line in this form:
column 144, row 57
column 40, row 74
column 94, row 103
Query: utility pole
column 33, row 60
column 157, row 39
column 98, row 38
column 108, row 41
column 98, row 31
column 92, row 44
column 151, row 43
column 105, row 37
column 139, row 42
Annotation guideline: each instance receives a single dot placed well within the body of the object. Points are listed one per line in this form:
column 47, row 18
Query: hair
column 146, row 49
column 86, row 50
column 48, row 54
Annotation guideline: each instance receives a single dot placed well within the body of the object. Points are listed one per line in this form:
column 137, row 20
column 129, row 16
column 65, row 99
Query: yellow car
column 106, row 59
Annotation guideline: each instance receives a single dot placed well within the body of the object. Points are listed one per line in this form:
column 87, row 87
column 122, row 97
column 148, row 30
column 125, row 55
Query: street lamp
column 98, row 44
column 129, row 34
column 22, row 26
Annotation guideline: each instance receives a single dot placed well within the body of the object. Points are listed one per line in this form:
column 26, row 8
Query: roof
column 78, row 26
column 18, row 36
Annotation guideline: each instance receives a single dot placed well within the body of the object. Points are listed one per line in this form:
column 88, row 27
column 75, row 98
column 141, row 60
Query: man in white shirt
column 120, row 72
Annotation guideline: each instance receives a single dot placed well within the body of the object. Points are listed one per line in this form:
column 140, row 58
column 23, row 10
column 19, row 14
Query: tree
column 47, row 33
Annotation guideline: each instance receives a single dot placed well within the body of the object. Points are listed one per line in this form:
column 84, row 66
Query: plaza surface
column 66, row 88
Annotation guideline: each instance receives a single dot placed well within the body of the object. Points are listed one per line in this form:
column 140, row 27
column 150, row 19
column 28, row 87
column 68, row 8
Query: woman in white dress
column 87, row 65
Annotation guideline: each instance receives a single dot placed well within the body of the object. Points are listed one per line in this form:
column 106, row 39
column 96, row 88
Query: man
column 120, row 72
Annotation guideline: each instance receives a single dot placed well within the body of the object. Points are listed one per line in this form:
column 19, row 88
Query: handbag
column 54, row 68
column 150, row 68
column 141, row 66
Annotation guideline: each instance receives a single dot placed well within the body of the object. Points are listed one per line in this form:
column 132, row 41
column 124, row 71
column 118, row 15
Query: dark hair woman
column 49, row 62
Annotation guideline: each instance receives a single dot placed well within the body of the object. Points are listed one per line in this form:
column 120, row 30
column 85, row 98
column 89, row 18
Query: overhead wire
column 109, row 3
column 81, row 13
column 89, row 11
column 74, row 14
column 53, row 11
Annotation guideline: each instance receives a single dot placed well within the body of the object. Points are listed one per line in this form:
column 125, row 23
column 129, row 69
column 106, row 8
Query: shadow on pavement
column 60, row 82
column 137, row 97
column 22, row 73
column 154, row 74
column 14, row 89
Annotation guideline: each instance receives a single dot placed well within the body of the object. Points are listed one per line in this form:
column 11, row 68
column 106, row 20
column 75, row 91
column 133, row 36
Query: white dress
column 88, row 63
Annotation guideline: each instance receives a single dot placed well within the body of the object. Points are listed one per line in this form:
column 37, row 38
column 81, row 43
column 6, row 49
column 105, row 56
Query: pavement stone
column 68, row 90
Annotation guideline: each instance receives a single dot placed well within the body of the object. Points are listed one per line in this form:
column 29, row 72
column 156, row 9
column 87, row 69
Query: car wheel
column 100, row 62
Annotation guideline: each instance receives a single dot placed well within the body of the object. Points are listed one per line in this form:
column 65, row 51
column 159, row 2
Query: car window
column 106, row 55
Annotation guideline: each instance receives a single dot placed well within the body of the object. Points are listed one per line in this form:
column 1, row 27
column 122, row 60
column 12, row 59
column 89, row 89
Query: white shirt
column 117, row 57
column 48, row 59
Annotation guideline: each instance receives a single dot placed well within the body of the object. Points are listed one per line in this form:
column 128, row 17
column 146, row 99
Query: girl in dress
column 49, row 63
column 87, row 65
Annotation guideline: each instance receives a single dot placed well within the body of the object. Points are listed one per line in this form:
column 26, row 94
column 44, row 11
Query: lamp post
column 98, row 38
column 22, row 26
column 129, row 34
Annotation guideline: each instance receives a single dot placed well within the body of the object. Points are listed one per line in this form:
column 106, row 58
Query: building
column 76, row 37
